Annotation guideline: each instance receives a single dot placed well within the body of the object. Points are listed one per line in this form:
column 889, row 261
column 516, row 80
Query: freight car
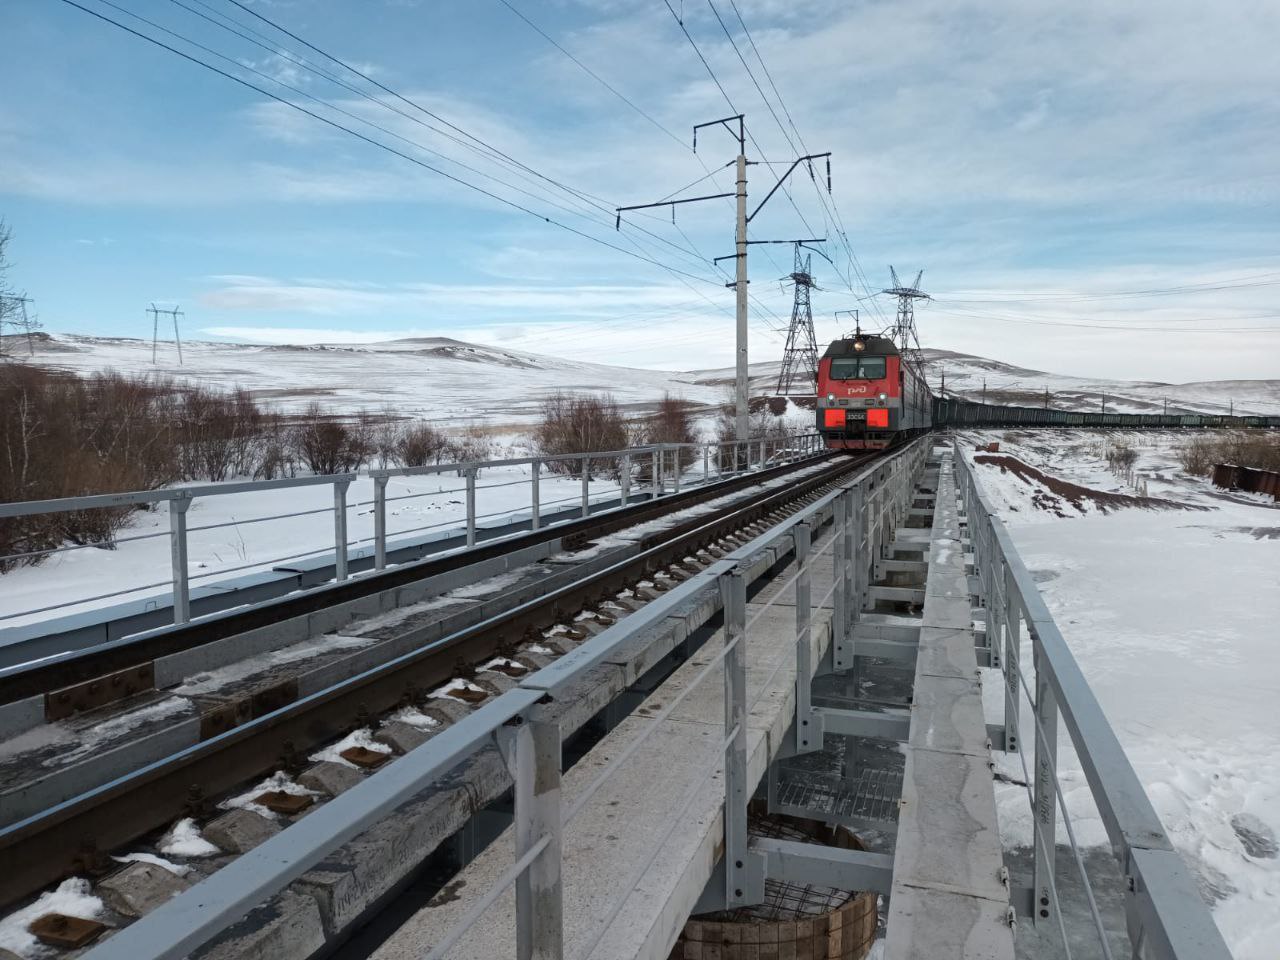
column 954, row 411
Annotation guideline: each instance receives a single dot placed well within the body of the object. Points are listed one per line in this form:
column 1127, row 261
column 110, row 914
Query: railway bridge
column 729, row 712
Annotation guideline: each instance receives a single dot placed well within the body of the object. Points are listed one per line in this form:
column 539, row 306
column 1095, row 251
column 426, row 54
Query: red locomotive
column 868, row 395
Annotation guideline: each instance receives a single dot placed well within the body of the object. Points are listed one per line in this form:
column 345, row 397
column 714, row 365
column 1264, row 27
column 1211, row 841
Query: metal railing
column 665, row 467
column 1165, row 915
column 863, row 513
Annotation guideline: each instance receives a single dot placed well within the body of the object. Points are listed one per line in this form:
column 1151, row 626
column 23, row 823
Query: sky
column 1089, row 188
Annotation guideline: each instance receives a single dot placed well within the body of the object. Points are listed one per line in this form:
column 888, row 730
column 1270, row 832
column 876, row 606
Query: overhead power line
column 465, row 139
column 389, row 149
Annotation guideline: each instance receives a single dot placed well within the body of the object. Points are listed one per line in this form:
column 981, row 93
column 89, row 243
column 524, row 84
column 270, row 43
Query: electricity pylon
column 904, row 328
column 155, row 328
column 800, row 357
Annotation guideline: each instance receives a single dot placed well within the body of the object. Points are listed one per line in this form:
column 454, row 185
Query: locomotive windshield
column 857, row 368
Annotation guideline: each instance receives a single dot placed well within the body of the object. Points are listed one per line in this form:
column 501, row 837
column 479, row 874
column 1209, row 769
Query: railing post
column 657, row 473
column 470, row 473
column 850, row 581
column 535, row 497
column 808, row 738
column 840, row 659
column 380, row 522
column 678, row 467
column 531, row 750
column 861, row 554
column 340, row 529
column 624, row 478
column 741, row 881
column 1044, row 818
column 178, row 557
column 586, row 492
column 1012, row 652
column 762, row 443
column 706, row 464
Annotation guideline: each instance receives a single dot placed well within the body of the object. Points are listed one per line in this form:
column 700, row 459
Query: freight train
column 870, row 397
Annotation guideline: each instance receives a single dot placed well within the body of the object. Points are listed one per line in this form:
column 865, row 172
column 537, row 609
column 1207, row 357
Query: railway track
column 265, row 729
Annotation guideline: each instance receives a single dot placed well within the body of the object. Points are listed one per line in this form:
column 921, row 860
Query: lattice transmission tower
column 173, row 312
column 800, row 358
column 904, row 328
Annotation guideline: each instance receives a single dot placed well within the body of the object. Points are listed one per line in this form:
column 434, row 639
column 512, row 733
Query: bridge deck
column 948, row 899
column 631, row 840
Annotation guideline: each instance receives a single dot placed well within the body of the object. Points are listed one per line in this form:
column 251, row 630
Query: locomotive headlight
column 831, row 397
column 859, row 346
column 884, row 397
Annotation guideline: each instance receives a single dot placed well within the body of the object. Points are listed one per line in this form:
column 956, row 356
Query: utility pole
column 741, row 382
column 984, row 389
column 943, row 389
column 741, row 411
column 173, row 312
column 1166, row 406
column 1231, row 407
column 1104, row 403
column 1046, row 398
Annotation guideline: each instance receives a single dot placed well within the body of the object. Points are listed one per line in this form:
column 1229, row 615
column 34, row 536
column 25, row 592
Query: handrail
column 666, row 469
column 1167, row 917
column 516, row 722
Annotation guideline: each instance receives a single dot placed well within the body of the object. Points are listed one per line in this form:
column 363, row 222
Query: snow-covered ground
column 449, row 381
column 437, row 379
column 1171, row 610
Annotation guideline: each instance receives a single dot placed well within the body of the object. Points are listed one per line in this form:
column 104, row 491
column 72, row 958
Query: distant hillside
column 432, row 378
column 449, row 380
column 1017, row 386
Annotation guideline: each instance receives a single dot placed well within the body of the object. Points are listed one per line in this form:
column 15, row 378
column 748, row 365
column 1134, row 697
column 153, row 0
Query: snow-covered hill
column 434, row 378
column 1017, row 386
column 455, row 382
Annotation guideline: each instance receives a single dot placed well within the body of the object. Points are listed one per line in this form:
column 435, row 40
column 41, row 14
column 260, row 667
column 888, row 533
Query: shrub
column 470, row 445
column 762, row 424
column 672, row 423
column 1259, row 449
column 61, row 436
column 328, row 445
column 419, row 445
column 580, row 423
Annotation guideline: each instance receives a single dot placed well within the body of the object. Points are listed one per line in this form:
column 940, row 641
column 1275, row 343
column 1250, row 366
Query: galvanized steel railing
column 1165, row 915
column 666, row 470
column 864, row 513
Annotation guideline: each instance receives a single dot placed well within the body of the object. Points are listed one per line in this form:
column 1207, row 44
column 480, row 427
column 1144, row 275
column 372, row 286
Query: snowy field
column 1172, row 611
column 451, row 382
column 235, row 539
column 437, row 379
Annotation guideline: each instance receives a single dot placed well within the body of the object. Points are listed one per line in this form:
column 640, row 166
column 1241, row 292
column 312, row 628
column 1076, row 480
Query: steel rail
column 45, row 846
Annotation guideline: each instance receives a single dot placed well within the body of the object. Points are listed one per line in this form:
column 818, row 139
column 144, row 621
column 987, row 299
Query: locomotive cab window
column 857, row 368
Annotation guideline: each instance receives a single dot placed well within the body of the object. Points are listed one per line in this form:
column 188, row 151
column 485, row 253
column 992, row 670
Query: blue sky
column 1042, row 162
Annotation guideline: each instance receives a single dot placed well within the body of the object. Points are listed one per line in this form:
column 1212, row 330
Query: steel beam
column 790, row 861
column 890, row 725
